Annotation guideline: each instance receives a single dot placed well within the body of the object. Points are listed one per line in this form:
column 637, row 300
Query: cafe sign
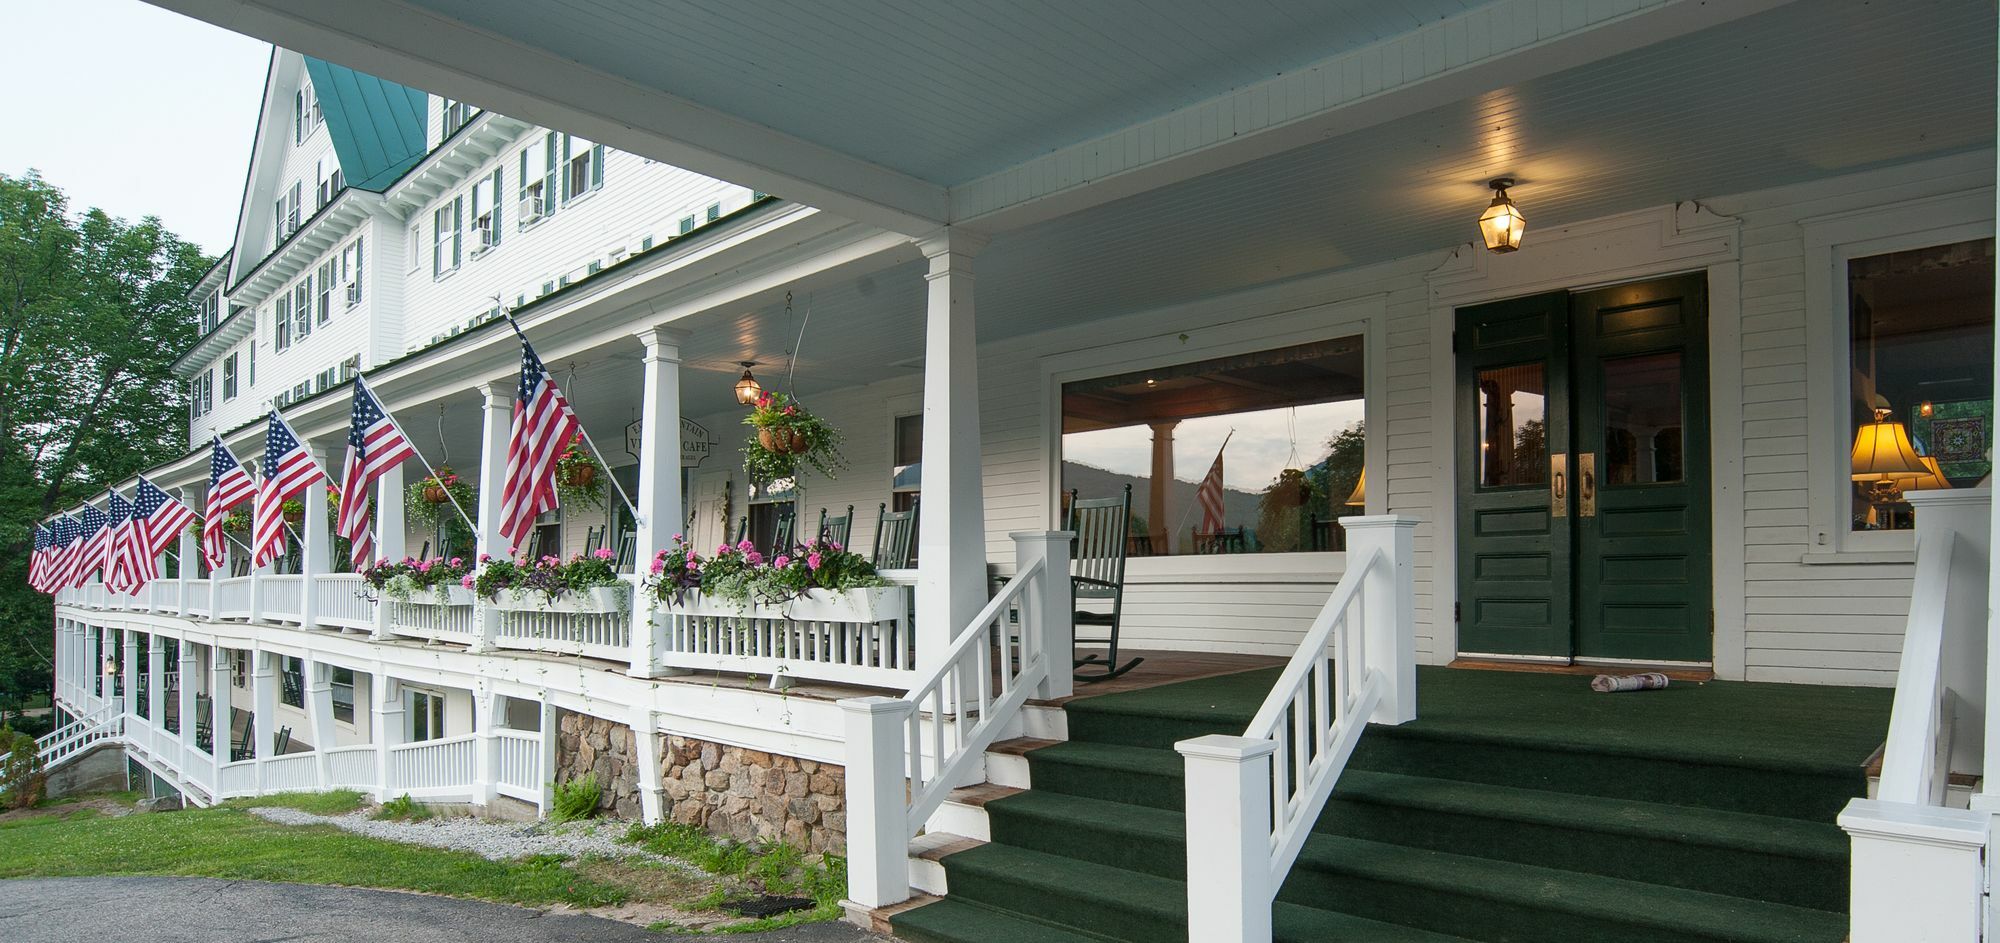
column 694, row 441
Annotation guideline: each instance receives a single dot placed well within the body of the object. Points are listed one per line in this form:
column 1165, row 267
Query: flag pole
column 1197, row 498
column 470, row 521
column 591, row 444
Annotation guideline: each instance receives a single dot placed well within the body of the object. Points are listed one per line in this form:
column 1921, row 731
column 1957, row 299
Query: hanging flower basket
column 294, row 512
column 577, row 480
column 428, row 502
column 783, row 439
column 237, row 521
column 787, row 439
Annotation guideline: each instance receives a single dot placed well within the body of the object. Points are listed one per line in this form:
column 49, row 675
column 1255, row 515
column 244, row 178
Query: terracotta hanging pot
column 295, row 518
column 580, row 476
column 435, row 493
column 782, row 439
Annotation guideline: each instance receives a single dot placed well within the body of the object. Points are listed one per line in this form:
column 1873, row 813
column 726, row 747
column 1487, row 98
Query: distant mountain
column 1239, row 507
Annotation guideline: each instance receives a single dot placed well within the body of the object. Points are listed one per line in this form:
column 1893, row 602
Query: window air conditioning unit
column 483, row 230
column 531, row 207
column 353, row 294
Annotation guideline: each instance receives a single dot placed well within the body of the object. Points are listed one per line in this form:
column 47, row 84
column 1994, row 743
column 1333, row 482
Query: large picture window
column 1921, row 381
column 1255, row 453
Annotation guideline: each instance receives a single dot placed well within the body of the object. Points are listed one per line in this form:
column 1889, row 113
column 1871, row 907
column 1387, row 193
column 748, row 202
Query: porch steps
column 1440, row 830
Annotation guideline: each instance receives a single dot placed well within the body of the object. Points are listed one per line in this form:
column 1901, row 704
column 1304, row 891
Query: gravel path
column 498, row 841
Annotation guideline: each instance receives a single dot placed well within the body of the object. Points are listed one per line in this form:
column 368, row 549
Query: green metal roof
column 377, row 125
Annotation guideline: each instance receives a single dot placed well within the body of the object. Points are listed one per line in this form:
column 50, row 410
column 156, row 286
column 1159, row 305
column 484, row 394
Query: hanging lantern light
column 1502, row 223
column 747, row 387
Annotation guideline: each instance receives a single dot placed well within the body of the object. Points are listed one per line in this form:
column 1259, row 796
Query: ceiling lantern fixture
column 747, row 387
column 1502, row 223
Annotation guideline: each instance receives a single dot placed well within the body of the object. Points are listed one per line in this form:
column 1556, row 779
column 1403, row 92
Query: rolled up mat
column 1614, row 684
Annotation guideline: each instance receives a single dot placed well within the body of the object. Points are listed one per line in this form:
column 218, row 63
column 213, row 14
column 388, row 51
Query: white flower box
column 872, row 604
column 451, row 596
column 595, row 600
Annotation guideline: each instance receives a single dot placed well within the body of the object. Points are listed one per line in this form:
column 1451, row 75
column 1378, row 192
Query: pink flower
column 721, row 549
column 457, row 561
column 754, row 558
column 604, row 553
column 835, row 544
column 693, row 565
column 813, row 560
column 679, row 538
column 485, row 558
column 782, row 561
column 552, row 561
column 466, row 581
column 659, row 565
column 424, row 567
column 745, row 545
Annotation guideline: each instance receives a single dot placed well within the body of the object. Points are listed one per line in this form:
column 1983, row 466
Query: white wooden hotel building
column 1759, row 238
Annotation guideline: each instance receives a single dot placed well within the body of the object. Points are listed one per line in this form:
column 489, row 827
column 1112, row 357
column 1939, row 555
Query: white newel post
column 263, row 710
column 316, row 547
column 1388, row 605
column 485, row 758
column 646, row 749
column 1917, row 872
column 390, row 535
column 660, row 513
column 951, row 527
column 388, row 698
column 221, row 711
column 1053, row 607
column 878, row 832
column 319, row 713
column 190, row 669
column 498, row 416
column 545, row 763
column 190, row 553
column 1229, row 847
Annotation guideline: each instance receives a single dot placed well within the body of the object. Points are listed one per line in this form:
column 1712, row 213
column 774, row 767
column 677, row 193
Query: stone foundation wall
column 586, row 744
column 750, row 795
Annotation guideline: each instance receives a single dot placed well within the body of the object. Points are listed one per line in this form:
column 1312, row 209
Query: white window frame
column 324, row 295
column 488, row 223
column 353, row 260
column 1830, row 243
column 452, row 209
column 281, row 318
column 589, row 162
column 539, row 181
column 231, row 377
column 302, row 305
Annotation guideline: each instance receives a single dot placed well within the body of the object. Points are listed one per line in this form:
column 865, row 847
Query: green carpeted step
column 1135, row 775
column 1116, row 834
column 1768, row 858
column 995, row 889
column 1505, row 902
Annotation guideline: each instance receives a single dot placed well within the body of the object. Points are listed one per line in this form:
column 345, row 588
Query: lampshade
column 1359, row 497
column 1933, row 478
column 747, row 387
column 1502, row 223
column 1882, row 451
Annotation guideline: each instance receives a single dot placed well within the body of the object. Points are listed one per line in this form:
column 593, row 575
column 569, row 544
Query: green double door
column 1583, row 478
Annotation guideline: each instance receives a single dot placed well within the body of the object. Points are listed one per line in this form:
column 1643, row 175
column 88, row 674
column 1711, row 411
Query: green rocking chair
column 1097, row 571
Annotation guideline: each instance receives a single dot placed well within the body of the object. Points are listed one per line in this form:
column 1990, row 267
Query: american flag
column 116, row 561
column 157, row 520
column 62, row 544
column 543, row 425
column 288, row 469
column 38, row 561
column 374, row 445
column 229, row 485
column 89, row 548
column 1209, row 496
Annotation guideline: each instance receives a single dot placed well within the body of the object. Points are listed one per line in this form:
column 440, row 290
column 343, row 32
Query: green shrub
column 576, row 799
column 22, row 778
column 405, row 808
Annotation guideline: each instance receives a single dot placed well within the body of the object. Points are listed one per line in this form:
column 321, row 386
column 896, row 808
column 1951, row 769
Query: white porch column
column 1388, row 605
column 485, row 756
column 951, row 532
column 189, row 549
column 878, row 812
column 1229, row 848
column 547, row 765
column 131, row 666
column 263, row 709
column 391, row 537
column 318, row 679
column 156, row 678
column 388, row 702
column 646, row 749
column 221, row 712
column 190, row 670
column 315, row 549
column 498, row 415
column 660, row 513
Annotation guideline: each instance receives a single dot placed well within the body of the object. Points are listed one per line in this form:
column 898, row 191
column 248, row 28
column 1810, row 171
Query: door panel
column 1514, row 486
column 1640, row 355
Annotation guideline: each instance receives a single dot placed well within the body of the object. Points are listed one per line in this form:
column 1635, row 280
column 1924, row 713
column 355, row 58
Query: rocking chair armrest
column 1093, row 581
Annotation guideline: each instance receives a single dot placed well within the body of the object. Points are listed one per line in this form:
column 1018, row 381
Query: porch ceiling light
column 747, row 387
column 1502, row 223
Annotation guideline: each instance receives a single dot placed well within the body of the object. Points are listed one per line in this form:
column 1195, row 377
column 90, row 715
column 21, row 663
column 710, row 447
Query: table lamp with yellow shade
column 1360, row 496
column 1885, row 462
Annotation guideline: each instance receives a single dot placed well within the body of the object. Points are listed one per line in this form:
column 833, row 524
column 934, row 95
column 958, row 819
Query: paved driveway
column 202, row 910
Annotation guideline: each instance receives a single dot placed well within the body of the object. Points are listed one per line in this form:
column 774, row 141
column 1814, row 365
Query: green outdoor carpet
column 1518, row 807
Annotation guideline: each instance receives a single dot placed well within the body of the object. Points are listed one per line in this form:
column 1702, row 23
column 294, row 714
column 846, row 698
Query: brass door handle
column 1587, row 500
column 1558, row 492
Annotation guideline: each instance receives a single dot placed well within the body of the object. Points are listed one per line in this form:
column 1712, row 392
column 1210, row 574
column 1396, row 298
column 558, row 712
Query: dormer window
column 330, row 180
column 486, row 227
column 583, row 167
column 285, row 213
column 211, row 312
column 456, row 114
column 305, row 113
column 538, row 180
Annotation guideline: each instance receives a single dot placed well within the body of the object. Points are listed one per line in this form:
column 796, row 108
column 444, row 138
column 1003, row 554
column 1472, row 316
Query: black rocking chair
column 895, row 538
column 836, row 529
column 1097, row 571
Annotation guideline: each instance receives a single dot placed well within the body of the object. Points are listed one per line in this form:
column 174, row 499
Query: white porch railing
column 1252, row 800
column 429, row 621
column 293, row 772
column 232, row 597
column 166, row 596
column 861, row 637
column 1917, row 851
column 199, row 599
column 518, row 758
column 237, row 779
column 351, row 767
column 606, row 635
column 339, row 600
column 434, row 769
column 906, row 754
column 284, row 597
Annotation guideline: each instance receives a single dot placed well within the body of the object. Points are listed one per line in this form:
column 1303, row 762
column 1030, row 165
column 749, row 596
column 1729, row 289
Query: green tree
column 93, row 311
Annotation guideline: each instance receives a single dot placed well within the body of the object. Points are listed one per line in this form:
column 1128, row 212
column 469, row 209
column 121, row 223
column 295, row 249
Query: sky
column 1265, row 442
column 132, row 109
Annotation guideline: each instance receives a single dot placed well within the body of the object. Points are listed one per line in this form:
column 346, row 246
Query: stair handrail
column 1916, row 756
column 906, row 754
column 1320, row 740
column 77, row 729
column 1252, row 800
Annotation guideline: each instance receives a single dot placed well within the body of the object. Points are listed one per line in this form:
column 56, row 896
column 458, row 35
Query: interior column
column 1159, row 492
